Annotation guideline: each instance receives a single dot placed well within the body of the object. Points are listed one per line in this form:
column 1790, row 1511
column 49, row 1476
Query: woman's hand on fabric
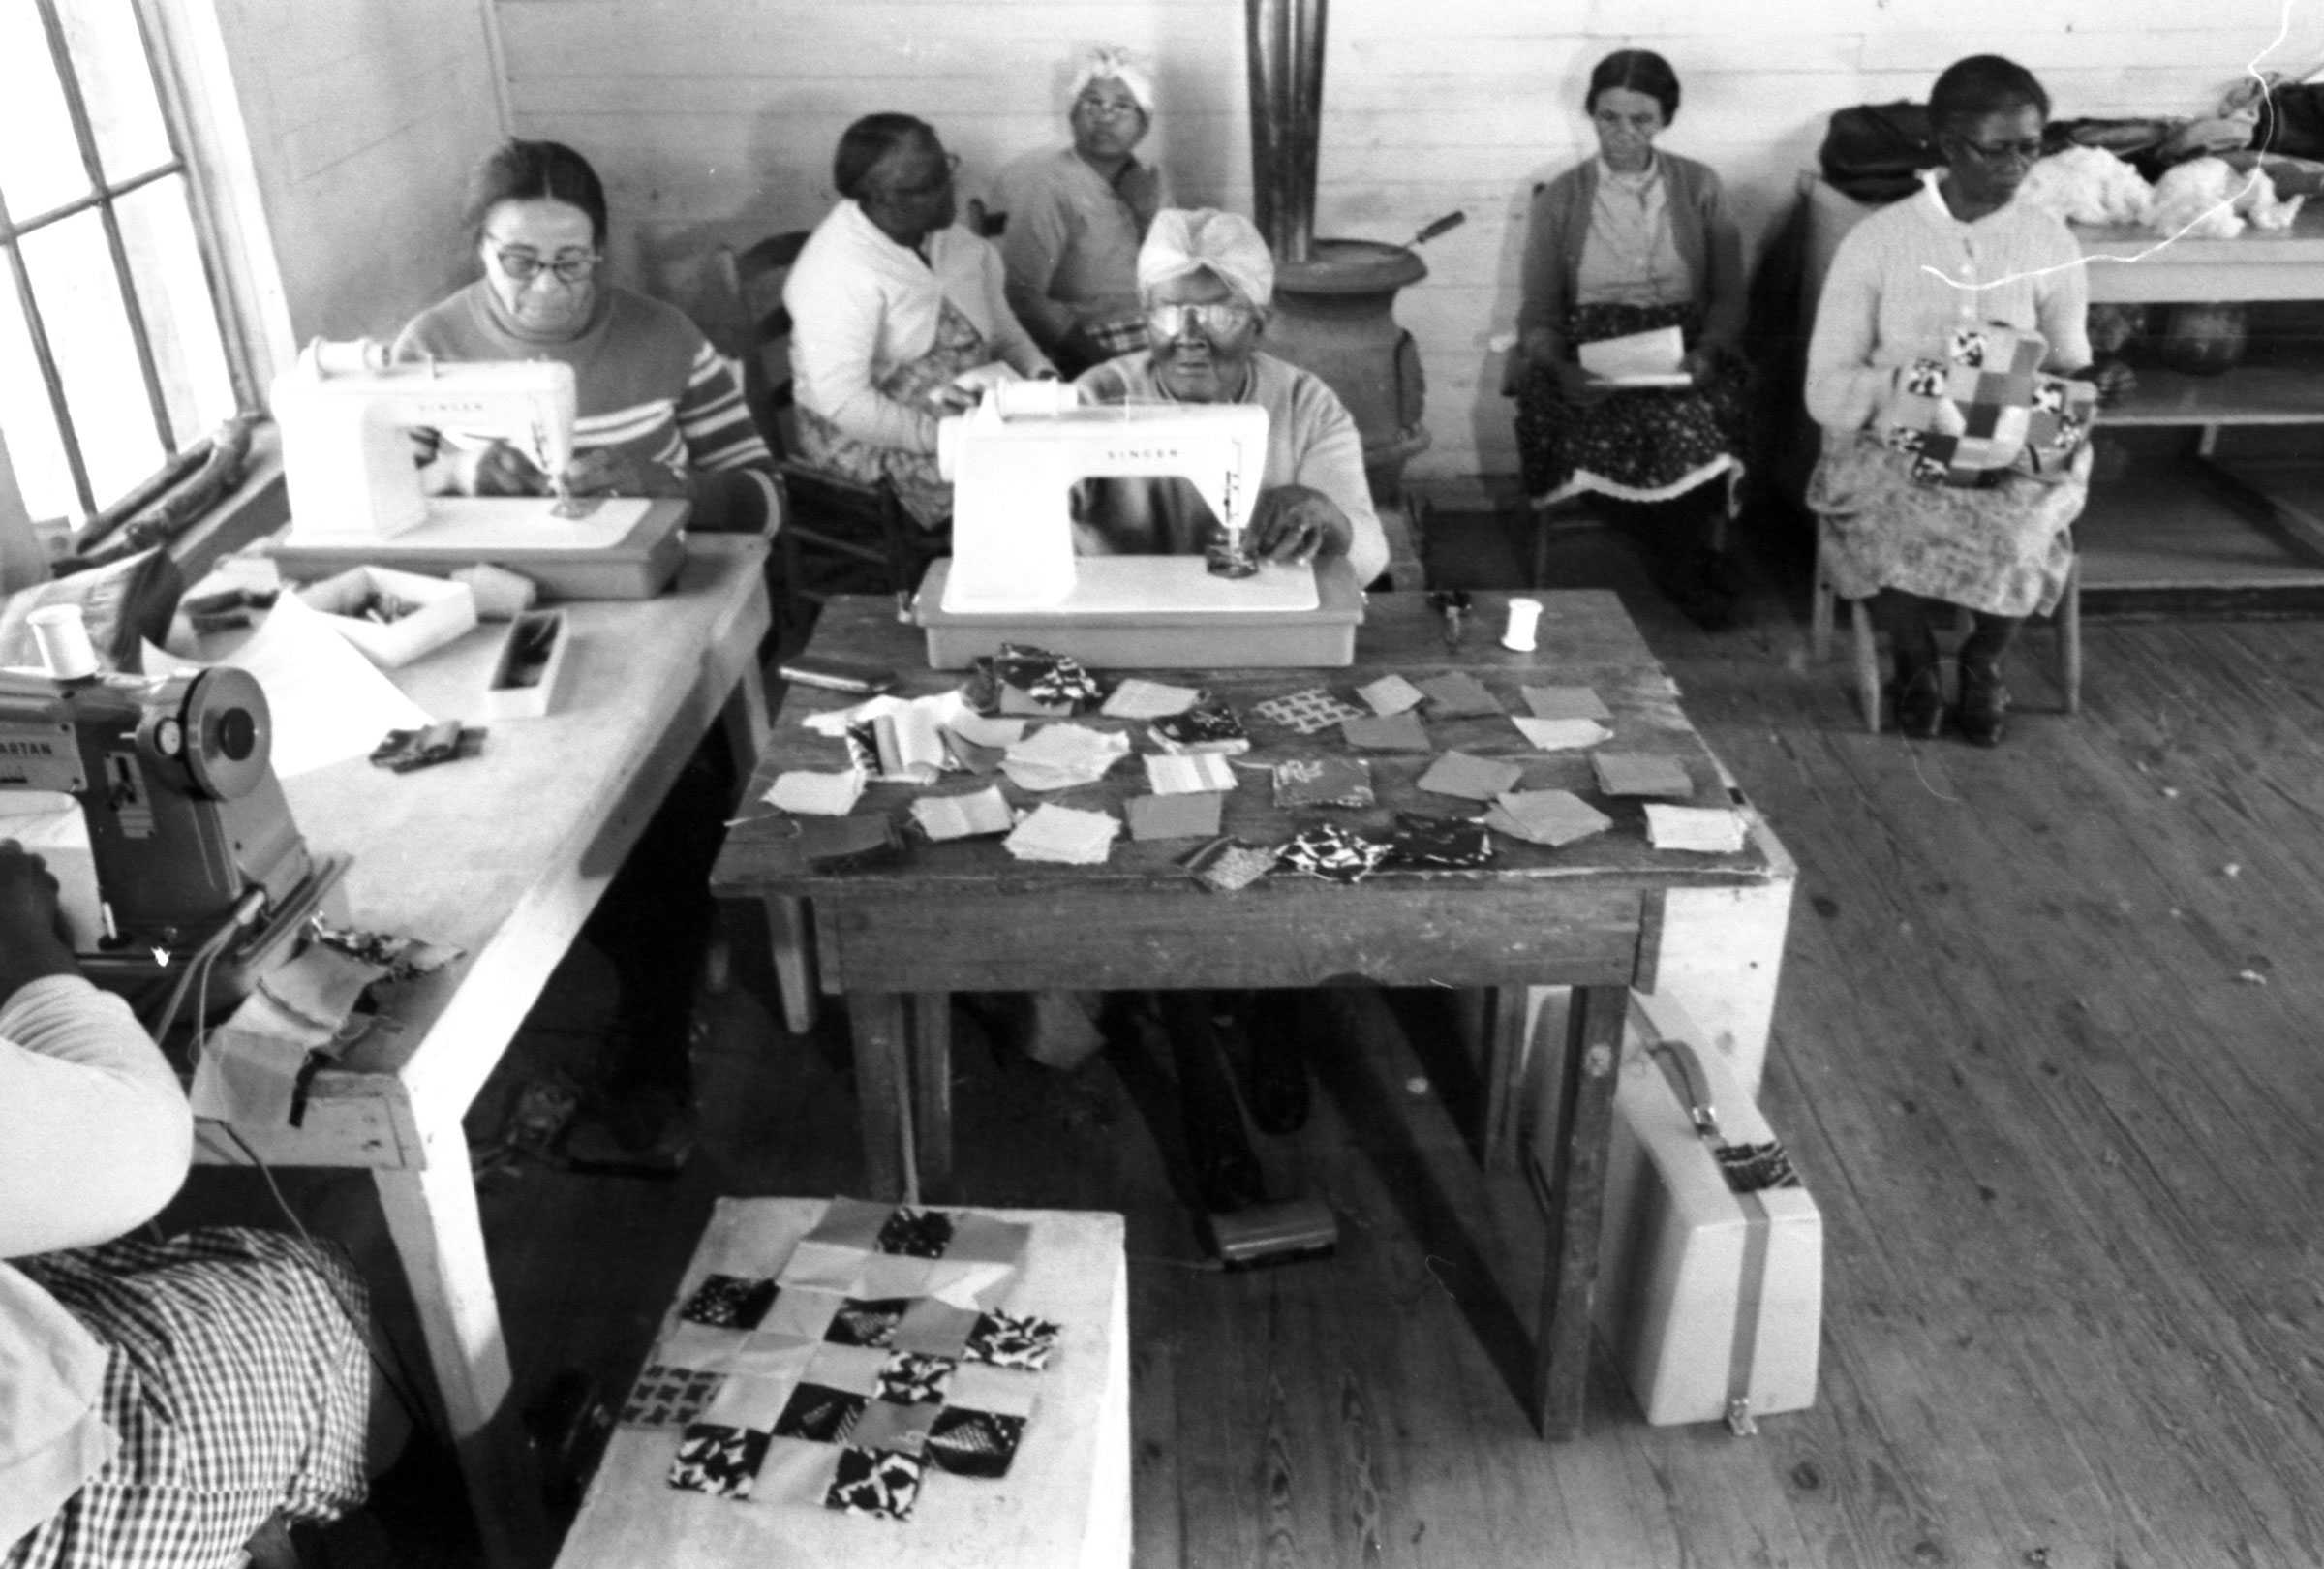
column 607, row 471
column 494, row 468
column 1295, row 524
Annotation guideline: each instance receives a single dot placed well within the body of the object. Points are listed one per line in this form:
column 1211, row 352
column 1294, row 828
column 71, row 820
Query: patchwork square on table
column 1421, row 840
column 1229, row 865
column 804, row 1311
column 719, row 1460
column 888, row 1424
column 1387, row 732
column 1456, row 693
column 729, row 1301
column 665, row 1396
column 920, row 1233
column 1641, row 773
column 1984, row 406
column 1306, row 711
column 1209, row 726
column 1551, row 817
column 1334, row 853
column 974, row 1443
column 1469, row 777
column 862, row 1321
column 1172, row 817
column 820, row 1414
column 876, row 1482
column 848, row 1222
column 910, row 1379
column 1391, row 695
column 937, row 1329
column 983, row 1238
column 755, row 1403
column 1137, row 698
column 1309, row 782
column 1565, row 703
column 1012, row 1340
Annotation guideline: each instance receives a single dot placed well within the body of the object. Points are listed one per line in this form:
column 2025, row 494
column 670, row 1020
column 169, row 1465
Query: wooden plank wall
column 363, row 117
column 715, row 119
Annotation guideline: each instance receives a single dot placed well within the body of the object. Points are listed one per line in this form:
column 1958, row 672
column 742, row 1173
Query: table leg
column 931, row 1089
column 746, row 720
column 1578, row 1189
column 432, row 1215
column 1503, row 1060
column 794, row 967
column 877, row 1023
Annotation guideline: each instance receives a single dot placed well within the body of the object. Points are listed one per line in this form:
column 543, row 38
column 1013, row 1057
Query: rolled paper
column 1524, row 616
column 63, row 639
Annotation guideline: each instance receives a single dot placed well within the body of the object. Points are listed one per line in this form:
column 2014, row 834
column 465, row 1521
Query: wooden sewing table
column 965, row 915
column 503, row 855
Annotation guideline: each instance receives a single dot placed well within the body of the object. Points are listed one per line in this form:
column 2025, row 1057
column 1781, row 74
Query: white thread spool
column 1524, row 616
column 63, row 638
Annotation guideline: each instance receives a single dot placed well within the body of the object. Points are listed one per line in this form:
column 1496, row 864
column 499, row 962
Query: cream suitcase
column 1710, row 1273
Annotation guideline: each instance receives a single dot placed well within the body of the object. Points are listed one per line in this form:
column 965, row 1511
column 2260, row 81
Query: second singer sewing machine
column 1014, row 578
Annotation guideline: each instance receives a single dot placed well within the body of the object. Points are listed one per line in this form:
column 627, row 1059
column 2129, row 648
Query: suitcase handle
column 1683, row 1070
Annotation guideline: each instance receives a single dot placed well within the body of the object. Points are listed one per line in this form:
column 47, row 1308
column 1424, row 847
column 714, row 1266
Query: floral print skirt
column 1642, row 445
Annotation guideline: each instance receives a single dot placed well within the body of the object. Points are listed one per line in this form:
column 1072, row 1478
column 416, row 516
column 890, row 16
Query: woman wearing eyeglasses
column 1916, row 518
column 1636, row 240
column 897, row 315
column 659, row 413
column 1077, row 215
column 1205, row 279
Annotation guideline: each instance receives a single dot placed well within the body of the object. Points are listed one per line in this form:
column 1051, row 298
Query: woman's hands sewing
column 32, row 925
column 1294, row 525
column 498, row 469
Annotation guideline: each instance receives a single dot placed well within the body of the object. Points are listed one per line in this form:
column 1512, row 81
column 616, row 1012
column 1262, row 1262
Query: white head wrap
column 1184, row 240
column 1108, row 63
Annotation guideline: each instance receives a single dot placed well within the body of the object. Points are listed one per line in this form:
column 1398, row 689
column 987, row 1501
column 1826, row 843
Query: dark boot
column 1984, row 700
column 1917, row 695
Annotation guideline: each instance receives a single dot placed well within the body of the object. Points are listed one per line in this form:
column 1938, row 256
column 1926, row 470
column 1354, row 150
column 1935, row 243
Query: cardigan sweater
column 1701, row 228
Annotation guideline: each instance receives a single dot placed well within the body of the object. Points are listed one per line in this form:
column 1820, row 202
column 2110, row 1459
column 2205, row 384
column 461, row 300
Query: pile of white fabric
column 2088, row 185
column 2205, row 199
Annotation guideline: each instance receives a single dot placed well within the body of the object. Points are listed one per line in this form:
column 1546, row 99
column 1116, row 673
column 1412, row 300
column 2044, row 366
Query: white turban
column 1184, row 240
column 1112, row 64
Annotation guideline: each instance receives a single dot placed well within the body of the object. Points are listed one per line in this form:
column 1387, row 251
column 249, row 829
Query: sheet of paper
column 1636, row 357
column 328, row 702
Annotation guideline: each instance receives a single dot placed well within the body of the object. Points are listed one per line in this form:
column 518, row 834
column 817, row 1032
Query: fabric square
column 888, row 1275
column 770, row 1356
column 1967, row 346
column 1306, row 711
column 826, row 1266
column 820, row 1414
column 666, row 1396
column 796, row 1471
column 1045, row 677
column 1229, row 865
column 1925, row 377
column 1312, row 781
column 1172, row 817
column 873, row 1482
column 910, row 1379
column 982, row 1237
column 1334, row 855
column 1471, row 778
column 851, row 1368
column 1011, row 1340
column 1641, row 773
column 888, row 1424
column 1425, row 841
column 963, row 816
column 1208, row 727
column 1391, row 695
column 1456, row 693
column 970, row 1284
column 1565, row 703
column 729, row 1301
column 862, row 1321
column 843, row 845
column 1387, row 732
column 1188, row 773
column 802, row 1312
column 918, row 1233
column 1981, row 418
column 721, row 1462
column 1560, row 735
column 1005, row 1390
column 935, row 1329
column 1067, row 835
column 974, row 1443
column 1551, row 817
column 755, row 1403
column 1136, row 698
column 702, row 1347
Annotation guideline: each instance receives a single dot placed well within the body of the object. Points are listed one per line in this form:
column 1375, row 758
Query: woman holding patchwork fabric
column 1916, row 517
column 1633, row 240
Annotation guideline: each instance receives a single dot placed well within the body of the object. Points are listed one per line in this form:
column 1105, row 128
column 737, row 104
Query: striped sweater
column 648, row 382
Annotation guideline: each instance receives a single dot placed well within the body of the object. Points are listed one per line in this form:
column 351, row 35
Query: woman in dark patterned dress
column 1633, row 240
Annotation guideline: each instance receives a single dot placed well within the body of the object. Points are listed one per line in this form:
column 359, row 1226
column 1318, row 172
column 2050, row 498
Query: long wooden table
column 504, row 855
column 965, row 916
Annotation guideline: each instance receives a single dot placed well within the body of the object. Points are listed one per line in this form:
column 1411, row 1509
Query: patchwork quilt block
column 1984, row 406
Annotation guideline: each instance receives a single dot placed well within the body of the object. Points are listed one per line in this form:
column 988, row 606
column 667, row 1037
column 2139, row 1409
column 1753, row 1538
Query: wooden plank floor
column 2046, row 1051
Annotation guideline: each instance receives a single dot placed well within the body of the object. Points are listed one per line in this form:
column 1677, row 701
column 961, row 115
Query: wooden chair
column 833, row 527
column 1865, row 650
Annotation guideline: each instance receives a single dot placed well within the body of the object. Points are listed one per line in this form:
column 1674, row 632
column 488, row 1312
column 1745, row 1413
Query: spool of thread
column 501, row 593
column 63, row 639
column 1524, row 616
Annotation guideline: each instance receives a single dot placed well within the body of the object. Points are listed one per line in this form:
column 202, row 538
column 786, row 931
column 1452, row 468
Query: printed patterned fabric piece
column 723, row 1461
column 1306, row 711
column 876, row 1482
column 1009, row 1340
column 1047, row 678
column 1749, row 1168
column 861, row 1322
column 974, row 1443
column 666, row 1396
column 1984, row 407
column 1172, row 817
column 820, row 1414
column 909, row 1379
column 1387, row 732
column 1471, row 778
column 1419, row 839
column 1641, row 773
column 1457, row 694
column 916, row 1233
column 1139, row 700
column 935, row 1329
column 1334, row 855
column 1313, row 781
column 1210, row 727
column 729, row 1301
column 1188, row 774
column 1551, row 817
column 1565, row 703
column 1229, row 865
column 1391, row 695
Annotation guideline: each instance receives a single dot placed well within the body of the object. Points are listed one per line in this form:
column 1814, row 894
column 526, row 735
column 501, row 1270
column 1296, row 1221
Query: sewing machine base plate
column 278, row 937
column 636, row 566
column 1321, row 636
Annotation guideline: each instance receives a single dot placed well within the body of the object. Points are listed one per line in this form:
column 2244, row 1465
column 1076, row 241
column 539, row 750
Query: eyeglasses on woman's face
column 522, row 265
column 2022, row 150
column 1218, row 318
column 928, row 184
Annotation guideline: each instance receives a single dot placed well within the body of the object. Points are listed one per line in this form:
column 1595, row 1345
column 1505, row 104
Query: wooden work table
column 966, row 917
column 504, row 855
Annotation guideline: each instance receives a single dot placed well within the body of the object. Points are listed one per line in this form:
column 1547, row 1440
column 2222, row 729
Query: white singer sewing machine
column 1014, row 575
column 345, row 414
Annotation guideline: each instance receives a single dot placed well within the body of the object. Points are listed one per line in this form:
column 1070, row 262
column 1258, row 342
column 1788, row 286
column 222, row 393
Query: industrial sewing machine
column 197, row 860
column 345, row 412
column 1014, row 575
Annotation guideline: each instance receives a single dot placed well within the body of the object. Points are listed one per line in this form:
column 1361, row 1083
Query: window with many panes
column 111, row 353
